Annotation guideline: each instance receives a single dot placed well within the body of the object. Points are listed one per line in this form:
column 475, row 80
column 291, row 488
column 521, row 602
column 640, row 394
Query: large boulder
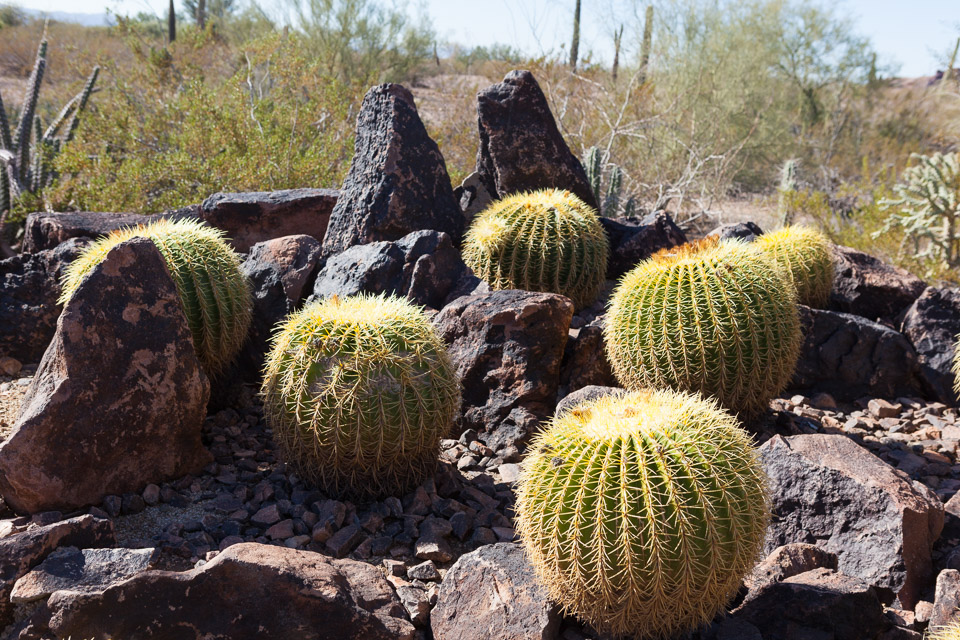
column 507, row 347
column 521, row 148
column 633, row 240
column 47, row 230
column 946, row 602
column 398, row 179
column 829, row 491
column 932, row 324
column 424, row 266
column 248, row 591
column 119, row 398
column 254, row 217
column 585, row 360
column 21, row 552
column 29, row 289
column 850, row 357
column 280, row 272
column 868, row 287
column 493, row 593
column 745, row 231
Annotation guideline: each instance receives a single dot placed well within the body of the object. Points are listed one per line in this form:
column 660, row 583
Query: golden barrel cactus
column 806, row 258
column 641, row 513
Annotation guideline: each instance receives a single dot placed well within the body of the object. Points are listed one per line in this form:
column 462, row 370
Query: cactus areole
column 641, row 513
column 359, row 391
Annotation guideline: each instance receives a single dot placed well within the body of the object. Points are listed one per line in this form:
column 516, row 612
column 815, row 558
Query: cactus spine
column 213, row 292
column 359, row 392
column 950, row 631
column 642, row 513
column 714, row 317
column 546, row 240
column 805, row 256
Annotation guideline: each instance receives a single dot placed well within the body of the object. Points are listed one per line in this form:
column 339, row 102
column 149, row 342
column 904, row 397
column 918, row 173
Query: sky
column 912, row 36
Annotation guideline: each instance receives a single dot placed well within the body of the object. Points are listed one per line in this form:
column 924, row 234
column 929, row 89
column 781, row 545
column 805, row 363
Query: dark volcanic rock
column 29, row 288
column 493, row 593
column 507, row 347
column 424, row 266
column 946, row 603
column 931, row 325
column 248, row 591
column 850, row 357
column 586, row 394
column 585, row 360
column 21, row 552
column 398, row 181
column 119, row 398
column 788, row 561
column 633, row 240
column 521, row 148
column 829, row 491
column 869, row 287
column 47, row 230
column 250, row 218
column 818, row 604
column 279, row 272
column 746, row 231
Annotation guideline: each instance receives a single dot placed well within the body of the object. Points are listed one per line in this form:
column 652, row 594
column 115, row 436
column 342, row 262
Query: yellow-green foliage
column 214, row 293
column 547, row 240
column 359, row 392
column 806, row 258
column 946, row 632
column 718, row 318
column 642, row 513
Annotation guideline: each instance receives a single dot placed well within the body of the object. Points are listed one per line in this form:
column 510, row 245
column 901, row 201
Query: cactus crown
column 805, row 256
column 213, row 292
column 359, row 391
column 716, row 317
column 641, row 513
column 547, row 240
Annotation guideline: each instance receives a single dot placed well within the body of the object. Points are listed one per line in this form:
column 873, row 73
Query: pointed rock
column 521, row 148
column 119, row 398
column 398, row 180
column 931, row 324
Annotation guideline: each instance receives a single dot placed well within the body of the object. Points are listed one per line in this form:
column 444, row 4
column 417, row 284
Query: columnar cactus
column 641, row 513
column 214, row 293
column 359, row 391
column 714, row 317
column 806, row 258
column 547, row 240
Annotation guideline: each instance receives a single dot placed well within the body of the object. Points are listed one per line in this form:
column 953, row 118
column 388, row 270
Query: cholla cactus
column 26, row 159
column 928, row 205
column 806, row 258
column 359, row 392
column 786, row 189
column 641, row 513
column 546, row 240
column 714, row 317
column 214, row 293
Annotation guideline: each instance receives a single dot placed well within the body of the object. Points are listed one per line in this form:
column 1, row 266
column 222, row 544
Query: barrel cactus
column 641, row 513
column 716, row 317
column 359, row 391
column 214, row 293
column 547, row 240
column 950, row 631
column 806, row 258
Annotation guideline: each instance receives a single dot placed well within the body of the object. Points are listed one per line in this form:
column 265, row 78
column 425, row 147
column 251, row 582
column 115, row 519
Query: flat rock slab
column 119, row 398
column 258, row 216
column 932, row 324
column 20, row 552
column 829, row 491
column 248, row 591
column 868, row 287
column 47, row 230
column 83, row 570
column 507, row 347
column 493, row 593
column 398, row 180
column 521, row 148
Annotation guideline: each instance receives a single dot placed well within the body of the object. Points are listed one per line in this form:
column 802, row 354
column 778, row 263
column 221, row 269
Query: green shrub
column 718, row 318
column 359, row 392
column 214, row 293
column 547, row 240
column 642, row 513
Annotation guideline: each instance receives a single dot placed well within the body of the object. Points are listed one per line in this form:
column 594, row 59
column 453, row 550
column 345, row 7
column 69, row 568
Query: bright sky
column 913, row 34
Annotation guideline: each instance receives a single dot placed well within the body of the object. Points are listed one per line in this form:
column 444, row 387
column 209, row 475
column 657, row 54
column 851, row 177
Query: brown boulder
column 507, row 347
column 931, row 324
column 248, row 591
column 493, row 593
column 946, row 603
column 119, row 397
column 868, row 287
column 788, row 561
column 585, row 360
column 829, row 491
column 45, row 230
